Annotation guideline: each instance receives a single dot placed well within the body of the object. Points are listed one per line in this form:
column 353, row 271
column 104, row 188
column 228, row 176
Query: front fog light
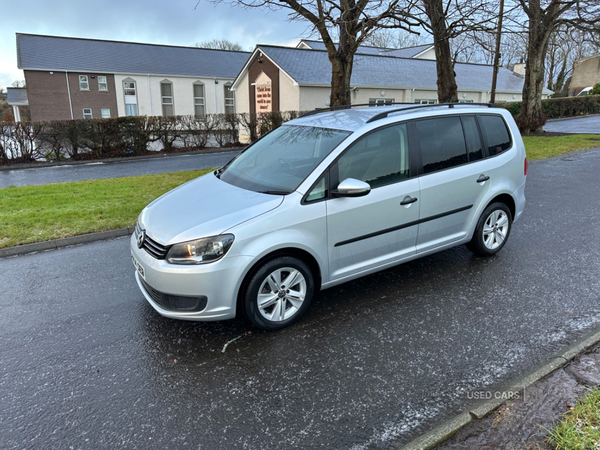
column 200, row 251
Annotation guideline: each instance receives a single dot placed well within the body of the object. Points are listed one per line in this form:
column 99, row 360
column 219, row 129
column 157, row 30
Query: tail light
column 525, row 171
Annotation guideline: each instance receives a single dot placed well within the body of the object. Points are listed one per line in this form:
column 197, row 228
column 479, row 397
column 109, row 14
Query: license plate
column 138, row 267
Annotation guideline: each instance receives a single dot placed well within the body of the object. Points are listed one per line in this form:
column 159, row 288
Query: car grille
column 175, row 302
column 155, row 249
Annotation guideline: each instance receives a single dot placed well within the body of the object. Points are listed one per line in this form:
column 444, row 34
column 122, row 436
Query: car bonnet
column 203, row 207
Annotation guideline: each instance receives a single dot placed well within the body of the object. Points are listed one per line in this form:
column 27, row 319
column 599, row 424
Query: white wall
column 503, row 97
column 289, row 94
column 362, row 95
column 421, row 94
column 242, row 96
column 149, row 94
column 313, row 97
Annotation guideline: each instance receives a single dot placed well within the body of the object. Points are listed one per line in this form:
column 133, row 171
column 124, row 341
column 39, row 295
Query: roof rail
column 334, row 108
column 384, row 114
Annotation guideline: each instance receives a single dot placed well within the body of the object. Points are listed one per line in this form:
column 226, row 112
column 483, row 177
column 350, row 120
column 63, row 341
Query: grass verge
column 539, row 147
column 40, row 213
column 579, row 428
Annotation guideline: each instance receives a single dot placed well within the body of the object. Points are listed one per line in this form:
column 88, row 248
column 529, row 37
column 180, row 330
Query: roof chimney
column 519, row 68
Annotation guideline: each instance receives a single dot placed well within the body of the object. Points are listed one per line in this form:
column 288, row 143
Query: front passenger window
column 379, row 158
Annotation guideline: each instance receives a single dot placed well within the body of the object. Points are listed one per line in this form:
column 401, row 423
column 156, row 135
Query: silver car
column 327, row 198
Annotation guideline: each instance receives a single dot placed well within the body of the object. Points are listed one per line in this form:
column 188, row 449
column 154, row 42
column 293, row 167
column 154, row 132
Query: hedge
column 100, row 138
column 555, row 108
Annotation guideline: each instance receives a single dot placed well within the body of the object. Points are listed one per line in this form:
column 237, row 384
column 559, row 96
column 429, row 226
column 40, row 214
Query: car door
column 381, row 227
column 454, row 179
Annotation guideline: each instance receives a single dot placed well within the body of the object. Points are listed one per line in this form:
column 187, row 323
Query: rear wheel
column 492, row 230
column 279, row 293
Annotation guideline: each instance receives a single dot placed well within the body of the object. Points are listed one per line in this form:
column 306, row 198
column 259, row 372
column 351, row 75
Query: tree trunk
column 531, row 118
column 341, row 62
column 340, row 79
column 446, row 79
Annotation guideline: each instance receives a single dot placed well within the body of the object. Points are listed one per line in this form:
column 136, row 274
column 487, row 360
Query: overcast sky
column 178, row 22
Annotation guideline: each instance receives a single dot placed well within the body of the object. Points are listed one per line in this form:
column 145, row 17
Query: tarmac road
column 586, row 125
column 114, row 169
column 86, row 363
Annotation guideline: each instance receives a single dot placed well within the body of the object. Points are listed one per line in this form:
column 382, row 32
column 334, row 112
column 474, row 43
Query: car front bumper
column 218, row 282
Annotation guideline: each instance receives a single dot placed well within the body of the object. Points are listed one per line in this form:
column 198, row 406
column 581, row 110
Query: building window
column 166, row 92
column 199, row 99
column 105, row 113
column 426, row 102
column 229, row 99
column 102, row 83
column 380, row 101
column 83, row 83
column 87, row 113
column 465, row 101
column 130, row 98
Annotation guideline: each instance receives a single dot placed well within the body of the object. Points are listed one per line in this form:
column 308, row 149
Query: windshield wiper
column 274, row 192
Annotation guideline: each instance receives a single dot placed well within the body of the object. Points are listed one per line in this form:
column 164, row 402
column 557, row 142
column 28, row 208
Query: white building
column 300, row 79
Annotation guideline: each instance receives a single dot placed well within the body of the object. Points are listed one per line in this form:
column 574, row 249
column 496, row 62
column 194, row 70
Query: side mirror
column 351, row 187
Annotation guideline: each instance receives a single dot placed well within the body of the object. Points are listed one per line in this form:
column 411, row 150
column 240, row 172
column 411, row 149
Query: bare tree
column 447, row 20
column 565, row 48
column 220, row 44
column 349, row 22
column 544, row 17
column 391, row 38
column 18, row 83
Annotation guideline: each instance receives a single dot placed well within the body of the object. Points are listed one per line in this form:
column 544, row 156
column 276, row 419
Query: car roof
column 351, row 119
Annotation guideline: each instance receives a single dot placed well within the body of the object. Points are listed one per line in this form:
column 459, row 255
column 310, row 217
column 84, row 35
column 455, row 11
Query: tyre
column 492, row 230
column 279, row 293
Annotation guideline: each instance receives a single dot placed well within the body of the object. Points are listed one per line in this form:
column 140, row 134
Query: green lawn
column 579, row 428
column 539, row 147
column 40, row 213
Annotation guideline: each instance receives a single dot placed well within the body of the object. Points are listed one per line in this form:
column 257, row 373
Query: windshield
column 280, row 161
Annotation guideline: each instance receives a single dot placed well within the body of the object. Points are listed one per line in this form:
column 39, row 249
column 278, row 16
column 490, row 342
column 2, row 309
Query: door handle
column 408, row 200
column 482, row 178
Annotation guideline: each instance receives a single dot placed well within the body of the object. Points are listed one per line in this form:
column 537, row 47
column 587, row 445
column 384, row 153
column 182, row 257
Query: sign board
column 263, row 94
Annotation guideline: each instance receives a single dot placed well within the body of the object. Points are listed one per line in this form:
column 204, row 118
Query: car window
column 442, row 143
column 378, row 158
column 318, row 192
column 280, row 161
column 472, row 138
column 496, row 134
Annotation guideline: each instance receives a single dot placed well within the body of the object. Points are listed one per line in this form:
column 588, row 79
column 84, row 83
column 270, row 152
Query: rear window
column 496, row 134
column 442, row 143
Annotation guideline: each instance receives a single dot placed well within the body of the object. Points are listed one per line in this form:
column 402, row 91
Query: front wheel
column 279, row 293
column 492, row 230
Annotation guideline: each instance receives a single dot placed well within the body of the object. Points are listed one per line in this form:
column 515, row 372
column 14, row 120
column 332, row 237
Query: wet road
column 584, row 125
column 113, row 169
column 86, row 363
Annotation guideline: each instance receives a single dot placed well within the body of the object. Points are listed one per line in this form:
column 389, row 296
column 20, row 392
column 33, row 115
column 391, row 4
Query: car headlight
column 200, row 251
